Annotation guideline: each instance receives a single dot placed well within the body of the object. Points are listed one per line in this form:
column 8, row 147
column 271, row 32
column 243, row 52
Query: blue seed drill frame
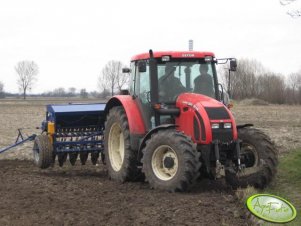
column 78, row 128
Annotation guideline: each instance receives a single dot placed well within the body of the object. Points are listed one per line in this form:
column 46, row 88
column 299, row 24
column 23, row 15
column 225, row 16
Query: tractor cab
column 157, row 79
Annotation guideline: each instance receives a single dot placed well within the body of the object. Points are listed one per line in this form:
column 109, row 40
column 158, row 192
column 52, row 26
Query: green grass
column 288, row 182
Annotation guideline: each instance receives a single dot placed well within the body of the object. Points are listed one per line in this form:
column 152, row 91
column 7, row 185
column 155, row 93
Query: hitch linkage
column 219, row 168
column 20, row 140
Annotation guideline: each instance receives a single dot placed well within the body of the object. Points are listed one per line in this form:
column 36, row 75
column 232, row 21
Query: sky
column 71, row 41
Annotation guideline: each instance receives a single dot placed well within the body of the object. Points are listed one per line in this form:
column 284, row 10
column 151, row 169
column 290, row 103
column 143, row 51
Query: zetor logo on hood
column 271, row 208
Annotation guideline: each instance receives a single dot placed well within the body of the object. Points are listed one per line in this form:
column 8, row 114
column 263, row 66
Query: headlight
column 215, row 125
column 227, row 125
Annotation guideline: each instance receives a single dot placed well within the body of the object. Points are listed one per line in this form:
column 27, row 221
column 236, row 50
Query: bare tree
column 59, row 92
column 243, row 81
column 299, row 96
column 293, row 13
column 71, row 91
column 271, row 88
column 294, row 82
column 252, row 80
column 27, row 72
column 112, row 77
column 2, row 94
column 83, row 93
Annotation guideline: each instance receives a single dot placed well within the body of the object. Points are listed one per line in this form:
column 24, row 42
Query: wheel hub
column 165, row 162
column 116, row 147
column 249, row 155
column 168, row 162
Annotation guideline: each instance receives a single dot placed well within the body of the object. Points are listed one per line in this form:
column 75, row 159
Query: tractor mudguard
column 244, row 125
column 135, row 120
column 149, row 134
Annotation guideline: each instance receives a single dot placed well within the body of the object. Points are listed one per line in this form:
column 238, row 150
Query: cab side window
column 132, row 78
column 143, row 84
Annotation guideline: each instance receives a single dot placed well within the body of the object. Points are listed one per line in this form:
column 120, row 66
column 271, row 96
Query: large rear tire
column 260, row 157
column 42, row 151
column 121, row 161
column 170, row 161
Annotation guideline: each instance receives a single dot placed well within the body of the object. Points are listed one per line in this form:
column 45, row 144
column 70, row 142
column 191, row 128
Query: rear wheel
column 42, row 151
column 170, row 161
column 260, row 157
column 120, row 159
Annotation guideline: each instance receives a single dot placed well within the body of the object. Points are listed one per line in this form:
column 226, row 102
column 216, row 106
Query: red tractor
column 173, row 124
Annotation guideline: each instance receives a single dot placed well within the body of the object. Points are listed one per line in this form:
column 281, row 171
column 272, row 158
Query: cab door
column 141, row 91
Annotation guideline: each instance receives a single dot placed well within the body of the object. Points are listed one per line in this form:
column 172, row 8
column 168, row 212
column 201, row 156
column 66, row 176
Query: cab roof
column 173, row 54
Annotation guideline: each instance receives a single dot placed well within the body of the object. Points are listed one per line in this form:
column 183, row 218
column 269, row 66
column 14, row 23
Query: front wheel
column 170, row 161
column 260, row 157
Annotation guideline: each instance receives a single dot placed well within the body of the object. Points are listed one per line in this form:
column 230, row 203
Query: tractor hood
column 205, row 119
column 193, row 99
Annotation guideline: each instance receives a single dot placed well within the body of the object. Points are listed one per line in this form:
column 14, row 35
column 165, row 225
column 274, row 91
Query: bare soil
column 83, row 195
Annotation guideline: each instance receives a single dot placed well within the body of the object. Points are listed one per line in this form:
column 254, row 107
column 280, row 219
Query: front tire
column 170, row 161
column 120, row 159
column 42, row 151
column 260, row 157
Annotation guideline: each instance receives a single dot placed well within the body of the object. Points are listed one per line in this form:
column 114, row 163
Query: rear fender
column 135, row 120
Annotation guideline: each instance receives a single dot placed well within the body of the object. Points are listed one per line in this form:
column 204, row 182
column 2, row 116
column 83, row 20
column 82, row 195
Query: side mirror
column 142, row 66
column 124, row 92
column 126, row 70
column 233, row 65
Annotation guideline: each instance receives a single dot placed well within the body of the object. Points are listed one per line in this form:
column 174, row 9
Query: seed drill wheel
column 120, row 159
column 42, row 151
column 260, row 157
column 170, row 161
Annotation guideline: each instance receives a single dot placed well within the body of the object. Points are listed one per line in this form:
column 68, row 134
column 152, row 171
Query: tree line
column 253, row 80
column 110, row 81
column 70, row 92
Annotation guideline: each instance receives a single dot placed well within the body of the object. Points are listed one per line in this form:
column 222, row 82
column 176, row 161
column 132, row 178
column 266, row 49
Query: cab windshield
column 177, row 77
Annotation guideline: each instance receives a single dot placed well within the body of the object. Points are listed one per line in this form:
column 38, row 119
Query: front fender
column 149, row 134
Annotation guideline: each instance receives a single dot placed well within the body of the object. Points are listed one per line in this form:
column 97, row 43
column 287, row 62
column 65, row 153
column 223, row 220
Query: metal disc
column 94, row 157
column 83, row 157
column 73, row 157
column 61, row 158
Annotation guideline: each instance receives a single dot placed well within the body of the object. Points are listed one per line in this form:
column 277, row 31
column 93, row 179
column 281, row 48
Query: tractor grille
column 223, row 135
column 217, row 113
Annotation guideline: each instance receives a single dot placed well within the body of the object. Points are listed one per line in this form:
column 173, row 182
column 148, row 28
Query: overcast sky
column 71, row 41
